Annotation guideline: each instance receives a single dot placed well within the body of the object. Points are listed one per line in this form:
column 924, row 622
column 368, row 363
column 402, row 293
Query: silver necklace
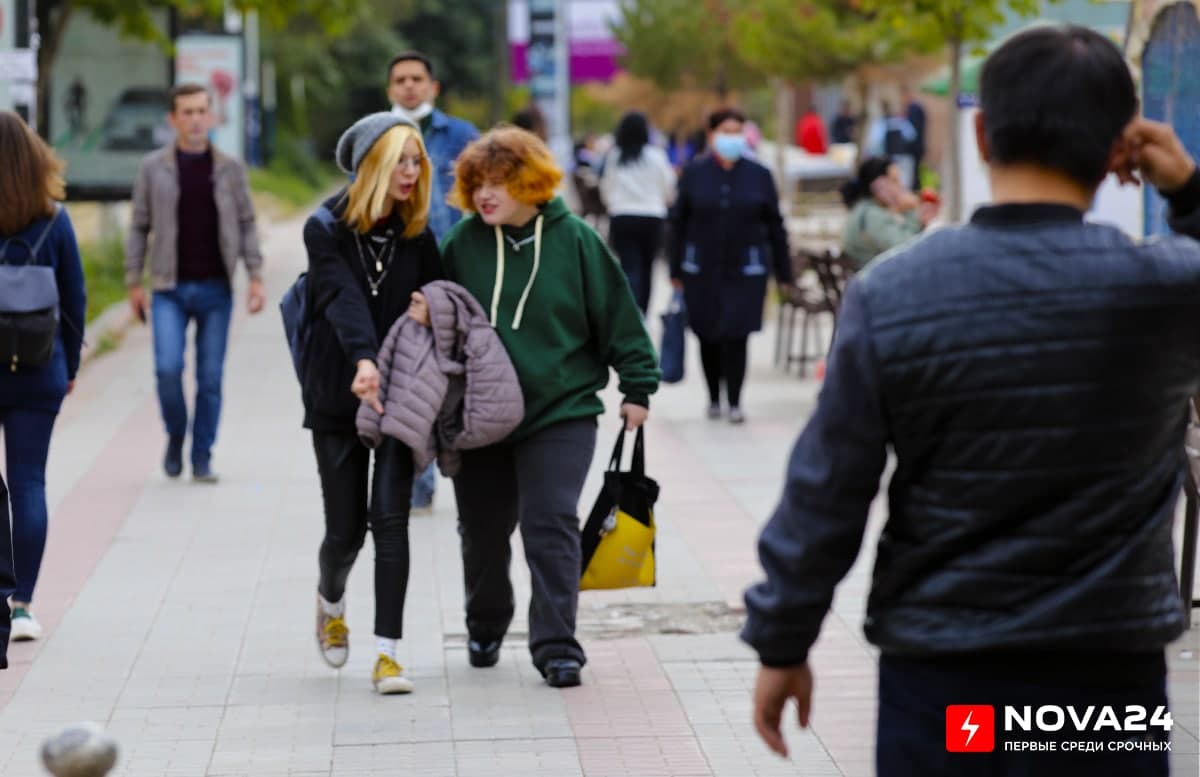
column 387, row 250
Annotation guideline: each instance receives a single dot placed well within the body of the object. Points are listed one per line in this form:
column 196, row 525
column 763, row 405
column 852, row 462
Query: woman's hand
column 418, row 309
column 634, row 415
column 366, row 384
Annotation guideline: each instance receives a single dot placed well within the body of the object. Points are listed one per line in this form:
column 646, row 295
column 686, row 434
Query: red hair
column 508, row 155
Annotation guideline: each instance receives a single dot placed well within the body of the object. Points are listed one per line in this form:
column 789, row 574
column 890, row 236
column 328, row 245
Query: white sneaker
column 25, row 627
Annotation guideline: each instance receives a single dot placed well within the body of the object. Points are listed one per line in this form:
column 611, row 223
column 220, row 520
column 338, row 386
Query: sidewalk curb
column 113, row 322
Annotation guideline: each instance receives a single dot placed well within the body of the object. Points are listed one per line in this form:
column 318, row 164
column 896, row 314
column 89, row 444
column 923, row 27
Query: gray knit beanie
column 356, row 142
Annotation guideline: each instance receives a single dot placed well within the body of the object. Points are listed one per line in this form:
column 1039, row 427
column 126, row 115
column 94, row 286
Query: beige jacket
column 155, row 209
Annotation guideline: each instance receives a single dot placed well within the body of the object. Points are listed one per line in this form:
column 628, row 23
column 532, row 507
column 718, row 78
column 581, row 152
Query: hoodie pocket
column 690, row 266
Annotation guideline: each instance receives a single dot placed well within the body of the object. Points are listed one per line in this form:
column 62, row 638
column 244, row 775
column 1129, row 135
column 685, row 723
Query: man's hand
column 634, row 415
column 137, row 302
column 1153, row 149
column 256, row 299
column 366, row 384
column 771, row 694
column 70, row 387
column 418, row 309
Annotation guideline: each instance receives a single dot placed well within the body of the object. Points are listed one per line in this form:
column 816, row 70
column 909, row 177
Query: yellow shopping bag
column 618, row 538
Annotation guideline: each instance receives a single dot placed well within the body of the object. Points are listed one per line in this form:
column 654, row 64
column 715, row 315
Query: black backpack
column 29, row 305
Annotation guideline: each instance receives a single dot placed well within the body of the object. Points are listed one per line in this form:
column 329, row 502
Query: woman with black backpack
column 369, row 248
column 42, row 306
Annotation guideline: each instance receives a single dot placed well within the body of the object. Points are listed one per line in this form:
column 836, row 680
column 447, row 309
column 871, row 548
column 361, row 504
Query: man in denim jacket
column 412, row 90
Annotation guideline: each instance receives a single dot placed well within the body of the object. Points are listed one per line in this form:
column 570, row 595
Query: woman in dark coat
column 728, row 236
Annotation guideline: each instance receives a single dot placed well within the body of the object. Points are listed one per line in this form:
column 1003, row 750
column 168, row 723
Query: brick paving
column 179, row 616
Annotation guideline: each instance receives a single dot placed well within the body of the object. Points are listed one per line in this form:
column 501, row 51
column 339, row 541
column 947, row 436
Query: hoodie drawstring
column 537, row 260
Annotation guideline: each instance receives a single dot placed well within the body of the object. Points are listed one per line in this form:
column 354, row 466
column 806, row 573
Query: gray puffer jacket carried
column 445, row 388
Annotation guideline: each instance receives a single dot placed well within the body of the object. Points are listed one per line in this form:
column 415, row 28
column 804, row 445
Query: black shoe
column 483, row 655
column 202, row 473
column 173, row 459
column 563, row 673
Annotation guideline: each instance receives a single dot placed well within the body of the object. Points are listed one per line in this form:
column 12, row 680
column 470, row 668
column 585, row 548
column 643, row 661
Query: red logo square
column 970, row 728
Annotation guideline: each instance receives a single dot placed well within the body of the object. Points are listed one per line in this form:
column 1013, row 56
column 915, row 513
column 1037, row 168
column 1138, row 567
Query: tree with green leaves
column 685, row 43
column 958, row 24
column 136, row 20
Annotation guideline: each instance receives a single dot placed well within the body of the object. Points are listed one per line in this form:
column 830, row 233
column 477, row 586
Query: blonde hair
column 510, row 155
column 367, row 197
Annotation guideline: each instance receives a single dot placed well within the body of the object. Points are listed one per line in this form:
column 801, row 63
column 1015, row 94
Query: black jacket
column 349, row 323
column 1031, row 373
column 727, row 236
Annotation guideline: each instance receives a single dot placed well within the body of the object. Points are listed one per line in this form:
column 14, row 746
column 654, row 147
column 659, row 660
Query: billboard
column 592, row 50
column 108, row 105
column 215, row 61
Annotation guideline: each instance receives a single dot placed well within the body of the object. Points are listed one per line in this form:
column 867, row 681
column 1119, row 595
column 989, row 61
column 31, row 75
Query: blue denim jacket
column 446, row 139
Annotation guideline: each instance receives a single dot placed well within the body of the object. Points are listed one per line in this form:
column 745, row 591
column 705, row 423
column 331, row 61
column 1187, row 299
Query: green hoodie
column 562, row 308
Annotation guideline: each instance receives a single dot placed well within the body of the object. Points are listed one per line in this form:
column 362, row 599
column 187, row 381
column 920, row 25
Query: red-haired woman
column 564, row 311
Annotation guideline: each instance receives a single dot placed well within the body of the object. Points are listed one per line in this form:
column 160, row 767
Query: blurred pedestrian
column 532, row 120
column 844, row 124
column 34, row 230
column 638, row 185
column 727, row 237
column 565, row 314
column 915, row 113
column 893, row 136
column 1028, row 374
column 810, row 132
column 195, row 202
column 883, row 213
column 413, row 89
column 369, row 248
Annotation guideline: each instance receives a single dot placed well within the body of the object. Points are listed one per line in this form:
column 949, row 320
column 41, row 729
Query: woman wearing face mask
column 369, row 248
column 883, row 212
column 565, row 314
column 727, row 237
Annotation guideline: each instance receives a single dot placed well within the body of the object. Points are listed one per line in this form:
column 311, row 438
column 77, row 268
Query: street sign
column 17, row 65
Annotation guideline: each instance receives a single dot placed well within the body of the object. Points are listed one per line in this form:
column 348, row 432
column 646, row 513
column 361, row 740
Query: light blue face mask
column 730, row 146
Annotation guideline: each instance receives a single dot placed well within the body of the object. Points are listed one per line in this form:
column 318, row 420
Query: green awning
column 940, row 84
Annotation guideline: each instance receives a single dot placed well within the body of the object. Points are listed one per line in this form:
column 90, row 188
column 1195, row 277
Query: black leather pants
column 344, row 466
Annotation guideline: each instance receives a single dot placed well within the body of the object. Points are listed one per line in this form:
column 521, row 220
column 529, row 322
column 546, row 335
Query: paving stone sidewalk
column 180, row 615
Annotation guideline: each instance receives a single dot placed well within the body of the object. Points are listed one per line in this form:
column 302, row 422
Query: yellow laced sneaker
column 333, row 639
column 389, row 678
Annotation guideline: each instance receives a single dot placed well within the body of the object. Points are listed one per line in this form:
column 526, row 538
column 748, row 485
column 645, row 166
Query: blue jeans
column 8, row 583
column 27, row 445
column 424, row 487
column 210, row 304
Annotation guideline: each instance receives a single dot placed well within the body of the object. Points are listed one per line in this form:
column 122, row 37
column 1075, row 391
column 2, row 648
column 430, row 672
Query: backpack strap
column 33, row 250
column 45, row 233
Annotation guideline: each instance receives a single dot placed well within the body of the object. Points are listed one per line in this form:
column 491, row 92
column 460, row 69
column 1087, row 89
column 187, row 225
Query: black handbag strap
column 638, row 465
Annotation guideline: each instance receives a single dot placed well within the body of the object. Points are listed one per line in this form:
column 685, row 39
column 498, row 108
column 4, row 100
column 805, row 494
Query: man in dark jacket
column 1030, row 372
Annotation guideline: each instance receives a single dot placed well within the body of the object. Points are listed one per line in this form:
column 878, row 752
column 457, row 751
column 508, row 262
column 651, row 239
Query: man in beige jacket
column 195, row 201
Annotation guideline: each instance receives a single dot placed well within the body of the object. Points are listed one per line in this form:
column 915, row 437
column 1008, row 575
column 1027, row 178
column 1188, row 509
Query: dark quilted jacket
column 445, row 388
column 1030, row 373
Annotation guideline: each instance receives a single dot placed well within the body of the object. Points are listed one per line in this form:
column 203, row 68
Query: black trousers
column 357, row 499
column 913, row 728
column 636, row 240
column 724, row 362
column 534, row 484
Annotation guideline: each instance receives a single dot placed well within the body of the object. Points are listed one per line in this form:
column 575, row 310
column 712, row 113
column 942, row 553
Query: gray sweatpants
column 534, row 484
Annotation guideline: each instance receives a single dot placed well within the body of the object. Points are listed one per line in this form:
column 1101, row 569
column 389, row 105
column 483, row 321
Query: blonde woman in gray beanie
column 369, row 248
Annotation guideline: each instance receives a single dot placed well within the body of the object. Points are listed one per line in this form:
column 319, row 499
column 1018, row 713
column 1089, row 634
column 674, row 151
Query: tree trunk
column 783, row 123
column 500, row 46
column 51, row 29
column 953, row 147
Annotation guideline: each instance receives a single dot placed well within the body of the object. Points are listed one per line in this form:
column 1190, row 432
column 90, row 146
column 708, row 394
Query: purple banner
column 591, row 60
